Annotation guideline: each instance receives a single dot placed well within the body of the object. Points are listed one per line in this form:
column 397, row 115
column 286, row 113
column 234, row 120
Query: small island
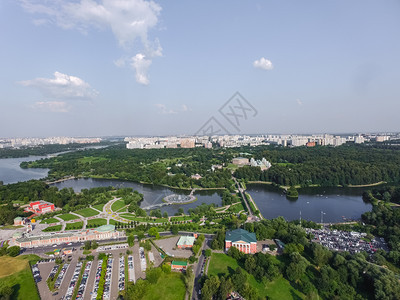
column 292, row 193
column 179, row 199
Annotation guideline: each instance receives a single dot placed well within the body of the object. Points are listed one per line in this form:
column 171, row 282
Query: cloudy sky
column 130, row 67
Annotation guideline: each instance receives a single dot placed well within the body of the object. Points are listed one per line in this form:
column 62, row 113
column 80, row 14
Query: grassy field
column 90, row 159
column 74, row 226
column 53, row 228
column 50, row 221
column 279, row 289
column 68, row 217
column 96, row 222
column 99, row 206
column 169, row 287
column 117, row 205
column 16, row 272
column 87, row 212
column 139, row 219
column 236, row 207
column 113, row 222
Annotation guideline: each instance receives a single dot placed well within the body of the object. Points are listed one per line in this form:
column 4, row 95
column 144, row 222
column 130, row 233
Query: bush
column 192, row 259
column 13, row 251
column 208, row 253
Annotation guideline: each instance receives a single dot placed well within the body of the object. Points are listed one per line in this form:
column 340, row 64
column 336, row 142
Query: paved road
column 197, row 269
column 44, row 291
column 243, row 196
column 92, row 277
column 44, row 249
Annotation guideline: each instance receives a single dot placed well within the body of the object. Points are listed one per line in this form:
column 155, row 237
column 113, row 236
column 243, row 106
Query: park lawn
column 74, row 226
column 132, row 217
column 169, row 287
column 87, row 212
column 16, row 272
column 281, row 289
column 236, row 207
column 68, row 217
column 99, row 206
column 53, row 228
column 222, row 264
column 90, row 159
column 117, row 205
column 96, row 222
column 180, row 218
column 113, row 222
column 50, row 221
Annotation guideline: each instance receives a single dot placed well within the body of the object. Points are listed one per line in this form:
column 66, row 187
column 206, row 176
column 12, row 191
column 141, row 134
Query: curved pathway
column 84, row 220
column 63, row 223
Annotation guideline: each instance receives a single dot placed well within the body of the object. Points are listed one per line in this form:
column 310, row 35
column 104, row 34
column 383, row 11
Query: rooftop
column 186, row 240
column 105, row 228
column 240, row 235
column 179, row 263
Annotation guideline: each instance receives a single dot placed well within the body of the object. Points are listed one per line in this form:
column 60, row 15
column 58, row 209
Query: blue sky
column 107, row 67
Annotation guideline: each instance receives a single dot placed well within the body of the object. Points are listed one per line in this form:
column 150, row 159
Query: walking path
column 96, row 209
column 63, row 224
column 84, row 220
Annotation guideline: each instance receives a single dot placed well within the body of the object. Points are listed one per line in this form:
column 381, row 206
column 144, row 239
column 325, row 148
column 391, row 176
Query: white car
column 69, row 244
column 54, row 246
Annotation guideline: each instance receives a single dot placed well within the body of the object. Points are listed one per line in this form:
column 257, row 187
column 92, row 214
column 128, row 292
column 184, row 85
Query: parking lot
column 87, row 288
column 352, row 242
column 169, row 246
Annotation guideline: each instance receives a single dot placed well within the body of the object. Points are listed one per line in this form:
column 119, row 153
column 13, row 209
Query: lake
column 336, row 204
column 151, row 194
column 11, row 172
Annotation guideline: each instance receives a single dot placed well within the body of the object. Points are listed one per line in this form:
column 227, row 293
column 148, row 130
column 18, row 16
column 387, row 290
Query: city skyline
column 126, row 68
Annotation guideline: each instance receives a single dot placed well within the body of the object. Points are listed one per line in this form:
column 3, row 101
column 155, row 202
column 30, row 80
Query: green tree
column 153, row 232
column 13, row 251
column 131, row 240
column 207, row 253
column 153, row 274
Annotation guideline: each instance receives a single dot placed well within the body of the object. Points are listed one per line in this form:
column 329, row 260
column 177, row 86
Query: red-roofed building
column 41, row 207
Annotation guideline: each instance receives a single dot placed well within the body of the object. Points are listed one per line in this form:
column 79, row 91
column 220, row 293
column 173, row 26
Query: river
column 336, row 204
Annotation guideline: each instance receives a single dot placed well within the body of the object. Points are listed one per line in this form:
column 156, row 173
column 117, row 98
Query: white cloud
column 263, row 63
column 167, row 111
column 62, row 86
column 299, row 102
column 163, row 109
column 52, row 106
column 185, row 108
column 129, row 20
column 141, row 64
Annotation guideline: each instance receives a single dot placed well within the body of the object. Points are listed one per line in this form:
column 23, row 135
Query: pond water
column 332, row 204
column 152, row 194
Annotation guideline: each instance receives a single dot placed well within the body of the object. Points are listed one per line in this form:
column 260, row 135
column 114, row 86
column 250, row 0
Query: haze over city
column 96, row 68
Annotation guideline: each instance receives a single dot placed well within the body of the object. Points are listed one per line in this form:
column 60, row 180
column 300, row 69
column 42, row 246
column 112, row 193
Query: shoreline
column 318, row 186
column 138, row 182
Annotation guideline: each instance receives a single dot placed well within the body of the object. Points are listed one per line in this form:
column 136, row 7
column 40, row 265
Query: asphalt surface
column 197, row 269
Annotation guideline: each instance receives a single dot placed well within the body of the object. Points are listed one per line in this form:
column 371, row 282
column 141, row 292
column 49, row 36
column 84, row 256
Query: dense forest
column 43, row 149
column 309, row 267
column 326, row 166
column 171, row 167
